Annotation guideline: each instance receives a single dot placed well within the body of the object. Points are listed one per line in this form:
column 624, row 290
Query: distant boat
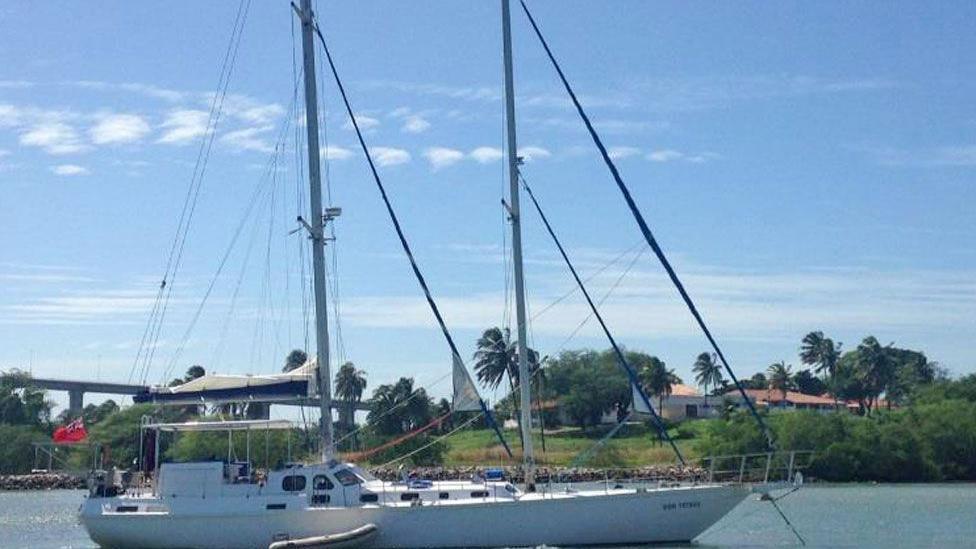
column 222, row 505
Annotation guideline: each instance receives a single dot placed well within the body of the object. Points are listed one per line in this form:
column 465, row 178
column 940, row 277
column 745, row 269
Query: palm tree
column 707, row 372
column 399, row 408
column 349, row 386
column 497, row 357
column 875, row 367
column 780, row 377
column 295, row 359
column 821, row 352
column 658, row 380
column 494, row 358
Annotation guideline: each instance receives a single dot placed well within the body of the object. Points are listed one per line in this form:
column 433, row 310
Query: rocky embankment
column 59, row 481
column 41, row 481
column 553, row 474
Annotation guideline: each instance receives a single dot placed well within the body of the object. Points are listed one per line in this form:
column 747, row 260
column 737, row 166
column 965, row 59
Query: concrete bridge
column 76, row 390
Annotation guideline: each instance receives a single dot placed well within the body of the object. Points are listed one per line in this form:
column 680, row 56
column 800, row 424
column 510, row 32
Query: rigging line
column 372, row 422
column 597, row 273
column 207, row 144
column 151, row 322
column 270, row 173
column 456, row 355
column 603, row 298
column 333, row 277
column 433, row 442
column 621, row 359
column 588, row 453
column 299, row 195
column 787, row 521
column 359, row 456
column 648, row 236
column 213, row 281
column 465, row 424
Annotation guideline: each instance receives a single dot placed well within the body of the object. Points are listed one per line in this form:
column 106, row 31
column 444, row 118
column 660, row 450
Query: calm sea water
column 827, row 516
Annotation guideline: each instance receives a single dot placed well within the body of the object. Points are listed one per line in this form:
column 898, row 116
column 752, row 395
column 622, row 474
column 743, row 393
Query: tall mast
column 525, row 381
column 317, row 231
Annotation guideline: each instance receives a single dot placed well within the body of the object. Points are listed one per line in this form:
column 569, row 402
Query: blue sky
column 806, row 166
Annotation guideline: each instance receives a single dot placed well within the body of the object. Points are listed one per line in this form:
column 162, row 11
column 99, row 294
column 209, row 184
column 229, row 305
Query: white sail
column 639, row 405
column 466, row 397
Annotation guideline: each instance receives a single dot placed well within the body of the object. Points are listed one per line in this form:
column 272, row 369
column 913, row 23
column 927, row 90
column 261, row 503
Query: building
column 686, row 402
column 774, row 399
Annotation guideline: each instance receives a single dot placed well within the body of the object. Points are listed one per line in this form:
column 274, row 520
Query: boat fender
column 356, row 537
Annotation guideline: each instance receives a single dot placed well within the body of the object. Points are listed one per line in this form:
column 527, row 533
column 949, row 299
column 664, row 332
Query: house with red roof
column 775, row 399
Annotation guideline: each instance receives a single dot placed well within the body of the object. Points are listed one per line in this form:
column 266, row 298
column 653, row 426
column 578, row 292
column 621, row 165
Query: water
column 864, row 516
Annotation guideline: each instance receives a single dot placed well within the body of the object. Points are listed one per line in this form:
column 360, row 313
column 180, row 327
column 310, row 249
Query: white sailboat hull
column 582, row 518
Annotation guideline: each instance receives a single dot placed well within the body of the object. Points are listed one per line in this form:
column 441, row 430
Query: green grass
column 633, row 446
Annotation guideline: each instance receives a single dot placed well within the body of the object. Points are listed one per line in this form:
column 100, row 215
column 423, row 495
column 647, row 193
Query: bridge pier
column 76, row 401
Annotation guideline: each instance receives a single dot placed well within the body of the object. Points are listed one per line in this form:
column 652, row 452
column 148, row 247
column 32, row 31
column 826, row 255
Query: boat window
column 275, row 506
column 320, row 499
column 444, row 495
column 293, row 483
column 409, row 496
column 347, row 477
column 369, row 498
column 479, row 494
column 322, row 482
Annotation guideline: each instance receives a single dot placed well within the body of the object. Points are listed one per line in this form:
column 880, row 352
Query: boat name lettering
column 681, row 505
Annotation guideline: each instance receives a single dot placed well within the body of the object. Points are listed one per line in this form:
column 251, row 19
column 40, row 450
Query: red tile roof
column 775, row 397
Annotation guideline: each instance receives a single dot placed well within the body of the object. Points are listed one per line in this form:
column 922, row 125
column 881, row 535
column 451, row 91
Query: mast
column 525, row 381
column 317, row 231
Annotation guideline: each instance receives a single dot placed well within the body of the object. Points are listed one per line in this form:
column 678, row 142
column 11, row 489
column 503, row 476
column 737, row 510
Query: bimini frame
column 249, row 425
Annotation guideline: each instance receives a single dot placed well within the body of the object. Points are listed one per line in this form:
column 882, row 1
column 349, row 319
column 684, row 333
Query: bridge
column 76, row 390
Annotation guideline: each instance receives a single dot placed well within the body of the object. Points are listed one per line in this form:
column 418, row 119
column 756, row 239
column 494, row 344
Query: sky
column 806, row 166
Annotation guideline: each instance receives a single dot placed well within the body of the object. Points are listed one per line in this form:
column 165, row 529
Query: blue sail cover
column 220, row 388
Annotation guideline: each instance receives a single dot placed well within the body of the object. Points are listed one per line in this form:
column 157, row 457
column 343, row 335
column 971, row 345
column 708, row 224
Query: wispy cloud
column 248, row 139
column 182, row 126
column 69, row 169
column 737, row 304
column 466, row 93
column 389, row 156
column 250, row 110
column 118, row 128
column 333, row 152
column 15, row 84
column 944, row 156
column 365, row 123
column 415, row 124
column 54, row 138
column 531, row 153
column 621, row 152
column 689, row 94
column 148, row 90
column 671, row 155
column 486, row 155
column 442, row 157
column 115, row 306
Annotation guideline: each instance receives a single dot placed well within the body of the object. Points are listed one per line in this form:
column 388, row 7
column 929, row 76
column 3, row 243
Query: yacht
column 228, row 504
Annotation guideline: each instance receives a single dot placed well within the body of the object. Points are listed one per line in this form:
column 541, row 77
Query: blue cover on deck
column 268, row 392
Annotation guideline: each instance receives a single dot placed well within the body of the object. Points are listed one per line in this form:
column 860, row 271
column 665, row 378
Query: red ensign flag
column 72, row 432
